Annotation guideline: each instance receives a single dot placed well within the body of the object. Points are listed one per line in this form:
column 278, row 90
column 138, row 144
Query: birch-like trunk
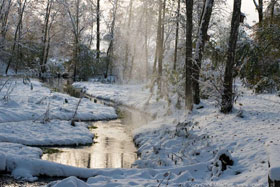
column 177, row 35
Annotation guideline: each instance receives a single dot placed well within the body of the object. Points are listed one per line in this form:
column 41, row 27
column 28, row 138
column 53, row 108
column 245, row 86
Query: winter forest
column 139, row 93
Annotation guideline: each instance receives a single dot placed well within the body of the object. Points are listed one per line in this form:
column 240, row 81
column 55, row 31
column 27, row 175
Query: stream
column 113, row 145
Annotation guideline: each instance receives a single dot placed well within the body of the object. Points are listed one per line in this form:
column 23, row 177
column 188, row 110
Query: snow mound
column 274, row 161
column 20, row 150
column 70, row 182
column 45, row 134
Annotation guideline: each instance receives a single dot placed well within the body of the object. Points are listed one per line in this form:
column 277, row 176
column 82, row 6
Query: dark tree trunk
column 259, row 7
column 177, row 35
column 272, row 4
column 98, row 31
column 227, row 97
column 4, row 19
column 202, row 37
column 188, row 62
column 77, row 39
column 16, row 36
column 44, row 55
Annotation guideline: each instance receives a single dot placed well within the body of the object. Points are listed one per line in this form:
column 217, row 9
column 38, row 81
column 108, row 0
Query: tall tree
column 98, row 31
column 128, row 39
column 259, row 7
column 200, row 43
column 161, row 44
column 227, row 97
column 146, row 39
column 110, row 50
column 46, row 36
column 272, row 7
column 177, row 34
column 4, row 14
column 74, row 13
column 188, row 60
column 158, row 39
column 18, row 27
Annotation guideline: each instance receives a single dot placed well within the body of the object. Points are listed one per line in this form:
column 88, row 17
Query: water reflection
column 114, row 149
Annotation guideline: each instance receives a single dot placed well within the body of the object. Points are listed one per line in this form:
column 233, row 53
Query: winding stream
column 113, row 145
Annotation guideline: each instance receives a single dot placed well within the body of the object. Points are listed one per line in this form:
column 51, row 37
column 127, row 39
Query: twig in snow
column 76, row 111
column 47, row 114
column 4, row 84
column 165, row 175
column 9, row 91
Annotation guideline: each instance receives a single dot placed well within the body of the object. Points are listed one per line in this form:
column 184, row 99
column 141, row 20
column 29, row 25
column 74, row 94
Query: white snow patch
column 135, row 96
column 21, row 102
column 50, row 133
column 274, row 161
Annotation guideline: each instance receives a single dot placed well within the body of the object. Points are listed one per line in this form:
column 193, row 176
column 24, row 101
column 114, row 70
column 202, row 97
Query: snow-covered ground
column 32, row 101
column 53, row 133
column 135, row 96
column 3, row 69
column 181, row 150
column 196, row 142
column 31, row 114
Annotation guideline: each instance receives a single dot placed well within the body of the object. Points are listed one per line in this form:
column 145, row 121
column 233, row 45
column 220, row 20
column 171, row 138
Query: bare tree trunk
column 5, row 10
column 158, row 40
column 177, row 35
column 146, row 39
column 161, row 44
column 77, row 39
column 110, row 51
column 259, row 7
column 132, row 61
column 135, row 48
column 188, row 63
column 128, row 38
column 227, row 97
column 45, row 41
column 2, row 4
column 98, row 31
column 202, row 37
column 272, row 4
column 15, row 36
column 19, row 53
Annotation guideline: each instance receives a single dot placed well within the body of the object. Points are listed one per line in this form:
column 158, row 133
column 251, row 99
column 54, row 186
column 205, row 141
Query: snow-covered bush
column 222, row 160
column 267, row 85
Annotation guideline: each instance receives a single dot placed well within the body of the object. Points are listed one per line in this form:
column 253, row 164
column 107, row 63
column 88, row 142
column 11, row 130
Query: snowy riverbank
column 202, row 136
column 32, row 101
column 31, row 114
column 186, row 153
